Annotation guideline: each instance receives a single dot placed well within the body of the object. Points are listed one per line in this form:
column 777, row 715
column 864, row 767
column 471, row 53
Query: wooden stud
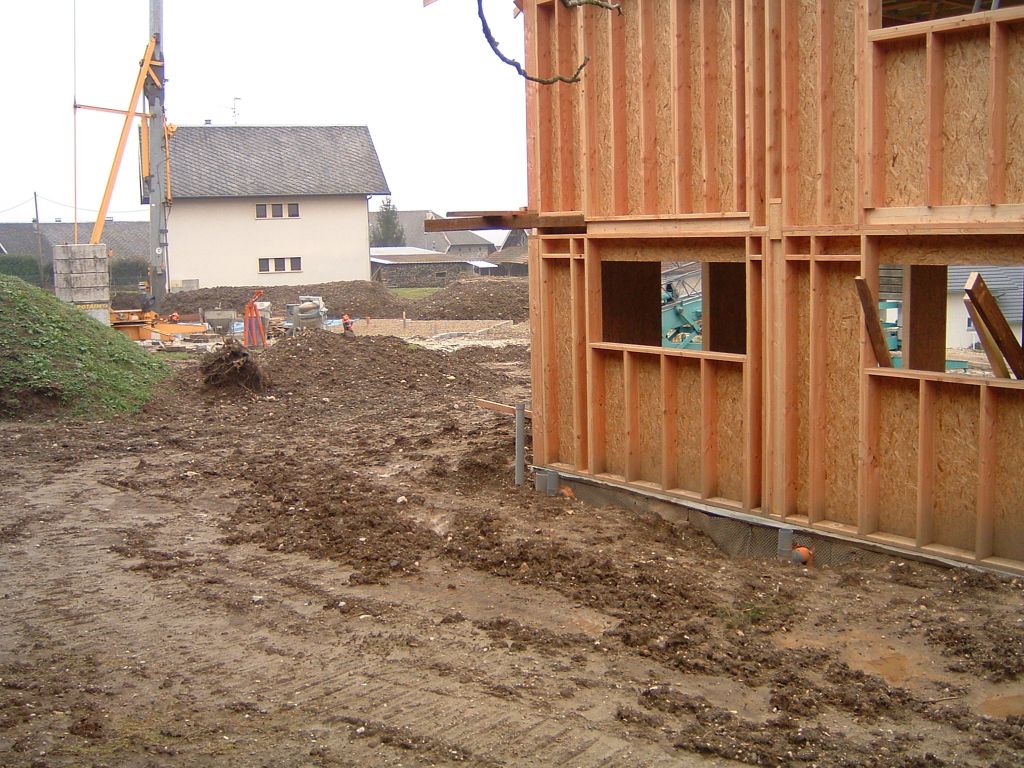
column 709, row 100
column 754, row 103
column 591, row 204
column 987, row 423
column 567, row 142
column 595, row 362
column 631, row 403
column 873, row 323
column 826, row 18
column 790, row 420
column 753, row 383
column 579, row 360
column 709, row 429
column 995, row 357
column 620, row 150
column 926, row 463
column 682, row 90
column 992, row 317
column 545, row 111
column 534, row 178
column 739, row 101
column 790, row 104
column 870, row 415
column 998, row 77
column 773, row 108
column 537, row 352
column 669, row 422
column 549, row 374
column 816, row 407
column 935, row 90
column 648, row 108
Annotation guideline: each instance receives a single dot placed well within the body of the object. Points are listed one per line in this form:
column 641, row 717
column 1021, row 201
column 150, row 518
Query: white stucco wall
column 958, row 335
column 220, row 241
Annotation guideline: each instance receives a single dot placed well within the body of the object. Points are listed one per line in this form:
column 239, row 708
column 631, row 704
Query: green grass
column 50, row 349
column 413, row 293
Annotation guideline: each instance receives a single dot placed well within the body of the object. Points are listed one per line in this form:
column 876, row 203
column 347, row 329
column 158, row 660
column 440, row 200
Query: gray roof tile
column 127, row 239
column 256, row 161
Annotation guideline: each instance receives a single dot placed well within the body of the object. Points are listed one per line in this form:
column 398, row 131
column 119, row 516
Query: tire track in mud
column 189, row 640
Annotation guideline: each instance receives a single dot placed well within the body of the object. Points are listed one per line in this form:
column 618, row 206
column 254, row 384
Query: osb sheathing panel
column 692, row 249
column 569, row 101
column 664, row 142
column 634, row 79
column 729, row 385
column 799, row 401
column 688, row 424
column 905, row 112
column 615, row 414
column 725, row 138
column 808, row 99
column 897, row 457
column 842, row 377
column 561, row 294
column 958, row 249
column 696, row 149
column 965, row 122
column 956, row 465
column 843, row 111
column 1008, row 533
column 649, row 417
column 1015, row 112
column 597, row 76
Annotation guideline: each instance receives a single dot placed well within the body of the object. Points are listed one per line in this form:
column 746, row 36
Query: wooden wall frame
column 808, row 143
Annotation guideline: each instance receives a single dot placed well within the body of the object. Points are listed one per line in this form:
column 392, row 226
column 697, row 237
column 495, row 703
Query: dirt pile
column 54, row 356
column 232, row 366
column 482, row 298
column 359, row 298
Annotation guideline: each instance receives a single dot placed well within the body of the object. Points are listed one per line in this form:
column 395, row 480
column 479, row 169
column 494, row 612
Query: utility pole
column 156, row 183
column 39, row 244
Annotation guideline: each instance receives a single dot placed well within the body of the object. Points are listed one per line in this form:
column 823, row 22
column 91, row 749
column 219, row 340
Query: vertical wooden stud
column 753, row 384
column 816, row 406
column 998, row 75
column 754, row 65
column 773, row 103
column 739, row 108
column 709, row 101
column 826, row 18
column 545, row 111
column 533, row 117
column 648, row 108
column 591, row 204
column 987, row 425
column 790, row 342
column 935, row 89
column 790, row 101
column 595, row 361
column 682, row 116
column 579, row 359
column 620, row 115
column 631, row 403
column 709, row 429
column 870, row 415
column 537, row 352
column 669, row 422
column 926, row 463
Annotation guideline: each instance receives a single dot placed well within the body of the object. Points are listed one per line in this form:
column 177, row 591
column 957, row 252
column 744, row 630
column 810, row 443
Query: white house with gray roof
column 271, row 205
column 1007, row 287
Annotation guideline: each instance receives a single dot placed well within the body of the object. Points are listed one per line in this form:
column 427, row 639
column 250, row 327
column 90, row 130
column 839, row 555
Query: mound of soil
column 481, row 298
column 232, row 366
column 359, row 298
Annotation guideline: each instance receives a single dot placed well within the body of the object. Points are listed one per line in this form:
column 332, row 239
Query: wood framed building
column 790, row 146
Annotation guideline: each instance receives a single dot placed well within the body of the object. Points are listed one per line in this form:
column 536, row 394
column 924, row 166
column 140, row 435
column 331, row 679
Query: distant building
column 411, row 267
column 465, row 245
column 1007, row 287
column 272, row 205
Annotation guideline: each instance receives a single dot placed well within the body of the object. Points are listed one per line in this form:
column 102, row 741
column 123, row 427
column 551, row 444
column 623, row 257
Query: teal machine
column 681, row 321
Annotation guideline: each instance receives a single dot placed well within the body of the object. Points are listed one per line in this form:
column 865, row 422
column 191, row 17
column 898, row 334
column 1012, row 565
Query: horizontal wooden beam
column 950, row 24
column 506, row 220
column 510, row 410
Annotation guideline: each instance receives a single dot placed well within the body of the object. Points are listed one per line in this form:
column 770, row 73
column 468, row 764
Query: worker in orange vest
column 174, row 317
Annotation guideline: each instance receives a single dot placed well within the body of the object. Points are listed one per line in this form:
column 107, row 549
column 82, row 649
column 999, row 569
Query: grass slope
column 51, row 352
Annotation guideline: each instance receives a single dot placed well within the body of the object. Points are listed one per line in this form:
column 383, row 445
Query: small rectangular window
column 264, row 265
column 279, row 265
column 277, row 210
column 293, row 210
column 296, row 263
column 261, row 211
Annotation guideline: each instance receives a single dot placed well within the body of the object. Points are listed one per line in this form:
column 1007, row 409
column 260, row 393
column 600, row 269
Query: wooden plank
column 568, row 141
column 591, row 204
column 753, row 384
column 509, row 410
column 739, row 101
column 620, row 115
column 507, row 220
column 709, row 431
column 579, row 360
column 669, row 426
column 595, row 363
column 935, row 92
column 875, row 181
column 926, row 464
column 631, row 398
column 826, row 17
column 682, row 90
column 816, row 406
column 754, row 104
column 951, row 24
column 648, row 107
column 995, row 357
column 996, row 323
column 873, row 323
column 537, row 352
column 998, row 77
column 924, row 317
column 790, row 105
column 985, row 522
column 709, row 100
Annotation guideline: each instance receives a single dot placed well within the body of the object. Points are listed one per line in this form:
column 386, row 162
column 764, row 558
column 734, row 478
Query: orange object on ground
column 803, row 555
column 255, row 333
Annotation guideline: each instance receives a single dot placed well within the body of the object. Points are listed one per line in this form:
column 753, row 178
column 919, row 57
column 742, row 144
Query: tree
column 387, row 229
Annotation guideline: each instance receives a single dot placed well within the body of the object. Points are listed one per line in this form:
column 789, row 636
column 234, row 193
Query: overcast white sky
column 446, row 116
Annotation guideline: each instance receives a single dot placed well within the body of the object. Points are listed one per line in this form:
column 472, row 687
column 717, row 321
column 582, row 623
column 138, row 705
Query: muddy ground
column 338, row 571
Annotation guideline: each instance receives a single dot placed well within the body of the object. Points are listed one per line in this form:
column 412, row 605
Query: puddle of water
column 894, row 668
column 1003, row 706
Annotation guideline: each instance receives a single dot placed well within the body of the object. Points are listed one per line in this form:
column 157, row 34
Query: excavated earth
column 339, row 571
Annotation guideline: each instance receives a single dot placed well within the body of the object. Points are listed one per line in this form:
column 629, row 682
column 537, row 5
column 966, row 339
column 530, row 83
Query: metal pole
column 39, row 244
column 520, row 443
column 155, row 183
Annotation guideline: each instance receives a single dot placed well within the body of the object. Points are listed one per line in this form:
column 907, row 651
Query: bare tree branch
column 575, row 78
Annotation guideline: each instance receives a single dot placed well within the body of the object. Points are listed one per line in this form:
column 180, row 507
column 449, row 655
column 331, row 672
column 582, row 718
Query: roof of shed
column 256, row 161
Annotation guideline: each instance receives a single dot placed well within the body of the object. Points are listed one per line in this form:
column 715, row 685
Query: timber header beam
column 504, row 220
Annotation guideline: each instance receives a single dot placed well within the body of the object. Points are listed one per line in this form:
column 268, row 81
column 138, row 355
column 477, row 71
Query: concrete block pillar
column 81, row 277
